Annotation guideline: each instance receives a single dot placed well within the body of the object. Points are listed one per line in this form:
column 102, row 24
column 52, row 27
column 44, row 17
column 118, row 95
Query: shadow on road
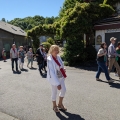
column 70, row 116
column 25, row 70
column 33, row 68
column 113, row 85
column 88, row 68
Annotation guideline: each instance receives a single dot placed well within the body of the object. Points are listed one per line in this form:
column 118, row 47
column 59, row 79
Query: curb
column 4, row 116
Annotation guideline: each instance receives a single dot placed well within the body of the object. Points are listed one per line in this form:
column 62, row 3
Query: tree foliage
column 81, row 18
column 71, row 4
column 51, row 41
column 30, row 22
column 111, row 2
column 46, row 45
column 75, row 23
column 76, row 18
column 73, row 50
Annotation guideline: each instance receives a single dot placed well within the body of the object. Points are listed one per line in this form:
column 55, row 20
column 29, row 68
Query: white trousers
column 20, row 64
column 62, row 91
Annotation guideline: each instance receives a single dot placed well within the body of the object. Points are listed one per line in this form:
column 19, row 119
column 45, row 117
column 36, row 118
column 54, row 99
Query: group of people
column 106, row 61
column 19, row 55
column 56, row 72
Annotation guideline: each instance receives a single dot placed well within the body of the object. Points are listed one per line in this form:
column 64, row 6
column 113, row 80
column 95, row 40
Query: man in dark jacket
column 40, row 58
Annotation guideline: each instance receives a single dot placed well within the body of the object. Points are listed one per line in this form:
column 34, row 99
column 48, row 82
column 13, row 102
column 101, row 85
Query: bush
column 73, row 51
column 66, row 63
column 62, row 57
column 90, row 52
column 51, row 41
column 46, row 45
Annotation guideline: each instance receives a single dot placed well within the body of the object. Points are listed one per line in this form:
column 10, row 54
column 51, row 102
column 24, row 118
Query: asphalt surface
column 27, row 96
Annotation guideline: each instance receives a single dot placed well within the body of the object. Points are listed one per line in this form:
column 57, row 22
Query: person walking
column 56, row 76
column 21, row 55
column 45, row 59
column 40, row 58
column 112, row 54
column 117, row 58
column 30, row 57
column 101, row 61
column 14, row 57
column 4, row 54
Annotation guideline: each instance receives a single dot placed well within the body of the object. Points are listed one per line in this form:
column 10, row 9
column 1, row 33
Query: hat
column 112, row 38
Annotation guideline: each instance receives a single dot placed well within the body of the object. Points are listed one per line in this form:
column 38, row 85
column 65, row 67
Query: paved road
column 26, row 96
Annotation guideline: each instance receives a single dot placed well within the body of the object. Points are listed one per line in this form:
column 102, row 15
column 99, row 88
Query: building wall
column 106, row 34
column 20, row 40
column 102, row 33
column 7, row 39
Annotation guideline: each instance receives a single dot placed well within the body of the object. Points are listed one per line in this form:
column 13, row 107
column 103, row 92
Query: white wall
column 102, row 33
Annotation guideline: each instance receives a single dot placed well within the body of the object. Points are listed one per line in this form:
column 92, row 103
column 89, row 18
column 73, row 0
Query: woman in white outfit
column 56, row 76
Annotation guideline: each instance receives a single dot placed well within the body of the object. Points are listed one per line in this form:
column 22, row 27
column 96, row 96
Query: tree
column 51, row 41
column 29, row 27
column 71, row 4
column 76, row 19
column 111, row 2
column 75, row 23
column 28, row 23
column 80, row 19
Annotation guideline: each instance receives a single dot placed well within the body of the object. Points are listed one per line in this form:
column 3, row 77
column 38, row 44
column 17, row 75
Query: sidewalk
column 4, row 116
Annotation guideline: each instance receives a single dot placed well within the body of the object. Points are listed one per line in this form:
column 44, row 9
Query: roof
column 12, row 29
column 108, row 23
column 109, row 20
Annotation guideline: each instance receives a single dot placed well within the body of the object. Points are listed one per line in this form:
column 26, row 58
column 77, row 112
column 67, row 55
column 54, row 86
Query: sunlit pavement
column 27, row 95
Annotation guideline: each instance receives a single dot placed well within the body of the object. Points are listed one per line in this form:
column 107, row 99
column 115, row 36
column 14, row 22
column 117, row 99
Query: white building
column 108, row 28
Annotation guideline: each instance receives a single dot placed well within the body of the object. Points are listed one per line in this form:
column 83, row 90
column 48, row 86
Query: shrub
column 46, row 45
column 66, row 63
column 51, row 41
column 73, row 51
column 62, row 57
column 90, row 52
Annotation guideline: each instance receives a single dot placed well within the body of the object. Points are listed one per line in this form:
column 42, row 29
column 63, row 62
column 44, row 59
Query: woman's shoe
column 56, row 109
column 62, row 107
column 97, row 79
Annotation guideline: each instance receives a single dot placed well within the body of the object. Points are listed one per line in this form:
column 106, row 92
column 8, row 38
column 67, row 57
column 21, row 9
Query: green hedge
column 51, row 41
column 46, row 45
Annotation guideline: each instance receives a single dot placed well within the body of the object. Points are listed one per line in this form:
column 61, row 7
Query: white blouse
column 53, row 71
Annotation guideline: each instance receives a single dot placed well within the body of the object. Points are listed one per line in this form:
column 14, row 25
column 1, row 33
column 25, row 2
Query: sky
column 10, row 9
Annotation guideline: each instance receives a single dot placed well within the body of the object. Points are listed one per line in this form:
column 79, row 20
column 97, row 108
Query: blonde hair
column 52, row 48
